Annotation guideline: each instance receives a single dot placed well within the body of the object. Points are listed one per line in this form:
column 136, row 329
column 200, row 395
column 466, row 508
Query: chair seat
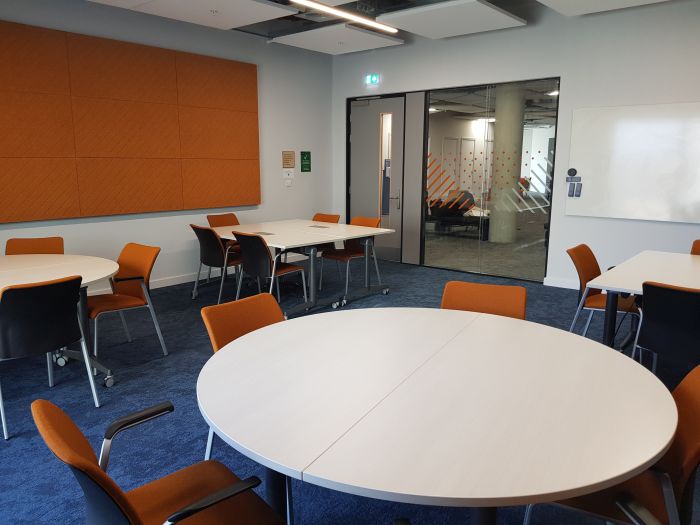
column 111, row 302
column 624, row 304
column 283, row 268
column 343, row 255
column 157, row 500
column 644, row 488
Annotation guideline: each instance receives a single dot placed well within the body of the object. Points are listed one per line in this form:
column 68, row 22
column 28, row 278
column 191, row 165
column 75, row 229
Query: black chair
column 669, row 326
column 214, row 254
column 40, row 318
column 258, row 264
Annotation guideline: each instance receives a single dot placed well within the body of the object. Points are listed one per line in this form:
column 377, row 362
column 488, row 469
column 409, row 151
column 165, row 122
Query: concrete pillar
column 507, row 153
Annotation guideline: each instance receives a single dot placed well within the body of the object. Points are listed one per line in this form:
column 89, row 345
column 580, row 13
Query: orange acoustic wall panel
column 90, row 126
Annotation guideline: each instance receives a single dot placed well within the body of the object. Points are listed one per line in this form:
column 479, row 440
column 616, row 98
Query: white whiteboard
column 637, row 162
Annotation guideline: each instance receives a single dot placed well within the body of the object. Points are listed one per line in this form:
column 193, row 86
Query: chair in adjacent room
column 214, row 253
column 592, row 299
column 258, row 264
column 130, row 290
column 669, row 326
column 508, row 301
column 229, row 321
column 204, row 493
column 34, row 246
column 663, row 494
column 695, row 248
column 352, row 249
column 40, row 318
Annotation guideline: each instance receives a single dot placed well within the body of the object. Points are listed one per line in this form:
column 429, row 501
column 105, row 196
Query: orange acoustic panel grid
column 35, row 189
column 209, row 82
column 218, row 134
column 117, row 128
column 215, row 183
column 118, row 70
column 90, row 126
column 35, row 125
column 33, row 59
column 117, row 186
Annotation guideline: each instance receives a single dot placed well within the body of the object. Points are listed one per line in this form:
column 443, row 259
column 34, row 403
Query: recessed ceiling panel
column 338, row 39
column 584, row 7
column 221, row 14
column 452, row 18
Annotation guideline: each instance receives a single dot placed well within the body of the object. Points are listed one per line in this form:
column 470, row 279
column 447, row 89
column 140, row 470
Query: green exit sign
column 305, row 161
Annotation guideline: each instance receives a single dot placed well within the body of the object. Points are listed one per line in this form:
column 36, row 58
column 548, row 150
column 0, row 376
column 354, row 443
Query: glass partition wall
column 488, row 183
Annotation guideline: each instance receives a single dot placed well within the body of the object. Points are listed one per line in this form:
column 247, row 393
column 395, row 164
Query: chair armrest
column 127, row 422
column 635, row 511
column 213, row 499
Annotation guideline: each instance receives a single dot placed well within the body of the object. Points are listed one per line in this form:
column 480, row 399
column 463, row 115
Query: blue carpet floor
column 36, row 488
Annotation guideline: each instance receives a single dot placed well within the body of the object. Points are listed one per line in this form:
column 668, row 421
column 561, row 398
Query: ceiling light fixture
column 554, row 93
column 316, row 6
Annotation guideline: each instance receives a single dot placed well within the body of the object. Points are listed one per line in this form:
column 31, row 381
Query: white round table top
column 23, row 269
column 437, row 407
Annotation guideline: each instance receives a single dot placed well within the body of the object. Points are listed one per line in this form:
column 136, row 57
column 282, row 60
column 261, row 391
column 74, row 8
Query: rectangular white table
column 677, row 269
column 306, row 236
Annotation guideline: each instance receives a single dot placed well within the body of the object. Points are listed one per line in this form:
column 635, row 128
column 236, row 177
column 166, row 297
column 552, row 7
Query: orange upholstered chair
column 353, row 249
column 130, row 289
column 663, row 493
column 508, row 301
column 203, row 493
column 694, row 249
column 222, row 219
column 229, row 321
column 592, row 299
column 326, row 217
column 36, row 245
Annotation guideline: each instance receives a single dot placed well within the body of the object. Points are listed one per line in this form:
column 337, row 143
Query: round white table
column 437, row 407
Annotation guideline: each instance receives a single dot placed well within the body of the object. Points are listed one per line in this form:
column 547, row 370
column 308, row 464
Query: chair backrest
column 694, row 249
column 229, row 321
column 223, row 219
column 509, row 301
column 135, row 260
column 326, row 217
column 106, row 502
column 39, row 317
column 586, row 265
column 370, row 222
column 36, row 245
column 211, row 249
column 256, row 260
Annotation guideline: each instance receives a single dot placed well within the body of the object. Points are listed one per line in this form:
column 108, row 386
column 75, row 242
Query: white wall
column 294, row 89
column 644, row 55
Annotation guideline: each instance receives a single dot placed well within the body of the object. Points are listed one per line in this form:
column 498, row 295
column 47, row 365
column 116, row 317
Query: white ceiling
column 221, row 14
column 338, row 39
column 584, row 7
column 452, row 18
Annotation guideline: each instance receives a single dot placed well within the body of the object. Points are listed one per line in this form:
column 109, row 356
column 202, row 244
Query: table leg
column 313, row 285
column 84, row 319
column 483, row 516
column 367, row 256
column 610, row 319
column 278, row 491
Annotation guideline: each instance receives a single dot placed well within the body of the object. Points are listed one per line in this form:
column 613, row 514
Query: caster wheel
column 343, row 302
column 194, row 295
column 108, row 381
column 335, row 305
column 385, row 291
column 61, row 360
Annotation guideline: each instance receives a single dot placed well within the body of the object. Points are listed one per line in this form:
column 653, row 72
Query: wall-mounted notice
column 305, row 161
column 288, row 159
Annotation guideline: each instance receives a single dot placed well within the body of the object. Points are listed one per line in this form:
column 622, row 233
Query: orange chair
column 661, row 494
column 222, row 219
column 694, row 249
column 593, row 299
column 206, row 492
column 353, row 249
column 229, row 321
column 130, row 289
column 36, row 245
column 508, row 301
column 326, row 217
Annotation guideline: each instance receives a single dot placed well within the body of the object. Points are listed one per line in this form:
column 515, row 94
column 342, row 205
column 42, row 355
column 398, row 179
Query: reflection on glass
column 490, row 161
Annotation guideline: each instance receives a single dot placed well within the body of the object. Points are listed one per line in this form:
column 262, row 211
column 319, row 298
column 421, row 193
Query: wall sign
column 305, row 161
column 287, row 159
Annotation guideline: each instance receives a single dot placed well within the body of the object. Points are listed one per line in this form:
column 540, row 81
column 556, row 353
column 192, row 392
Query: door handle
column 398, row 201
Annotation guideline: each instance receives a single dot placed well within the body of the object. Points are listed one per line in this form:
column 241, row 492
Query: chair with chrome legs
column 222, row 220
column 214, row 253
column 204, row 493
column 669, row 326
column 34, row 246
column 695, row 248
column 229, row 321
column 508, row 301
column 130, row 290
column 592, row 299
column 353, row 249
column 257, row 263
column 664, row 493
column 40, row 318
